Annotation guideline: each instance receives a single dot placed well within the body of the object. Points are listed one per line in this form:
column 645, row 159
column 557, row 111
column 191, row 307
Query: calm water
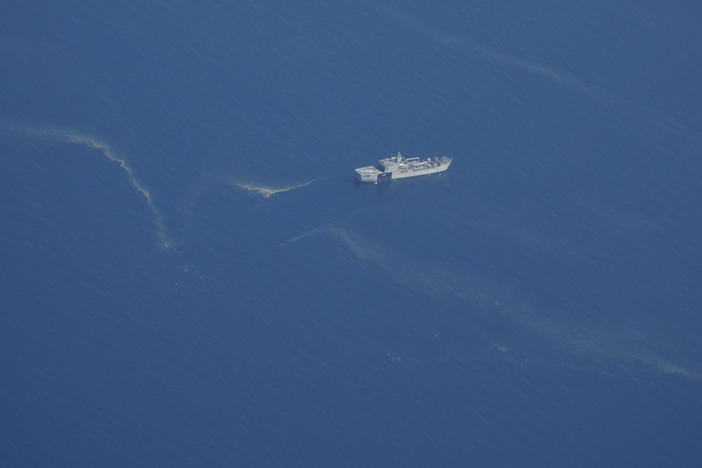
column 537, row 305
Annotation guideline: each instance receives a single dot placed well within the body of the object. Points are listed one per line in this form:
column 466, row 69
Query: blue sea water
column 537, row 305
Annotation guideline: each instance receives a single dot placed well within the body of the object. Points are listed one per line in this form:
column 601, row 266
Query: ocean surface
column 190, row 276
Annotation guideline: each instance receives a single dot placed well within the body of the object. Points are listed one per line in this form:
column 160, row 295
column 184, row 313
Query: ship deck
column 368, row 170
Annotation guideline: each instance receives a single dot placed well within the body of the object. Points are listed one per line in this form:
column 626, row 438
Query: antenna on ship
column 399, row 156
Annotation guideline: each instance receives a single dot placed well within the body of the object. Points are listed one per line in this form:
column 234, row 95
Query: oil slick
column 77, row 138
column 573, row 336
column 611, row 102
column 476, row 49
column 268, row 192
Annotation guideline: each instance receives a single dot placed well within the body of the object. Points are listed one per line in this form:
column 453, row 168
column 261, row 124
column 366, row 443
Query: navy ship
column 399, row 167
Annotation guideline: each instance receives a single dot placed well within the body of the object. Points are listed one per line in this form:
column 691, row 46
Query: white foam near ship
column 398, row 167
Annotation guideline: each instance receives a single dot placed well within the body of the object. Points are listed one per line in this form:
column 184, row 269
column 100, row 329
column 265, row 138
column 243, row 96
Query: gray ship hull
column 398, row 167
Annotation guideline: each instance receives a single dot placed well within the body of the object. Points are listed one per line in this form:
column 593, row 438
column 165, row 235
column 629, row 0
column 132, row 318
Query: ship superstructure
column 399, row 167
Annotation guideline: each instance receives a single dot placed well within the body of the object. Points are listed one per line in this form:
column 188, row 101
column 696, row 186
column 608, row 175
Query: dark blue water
column 537, row 305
